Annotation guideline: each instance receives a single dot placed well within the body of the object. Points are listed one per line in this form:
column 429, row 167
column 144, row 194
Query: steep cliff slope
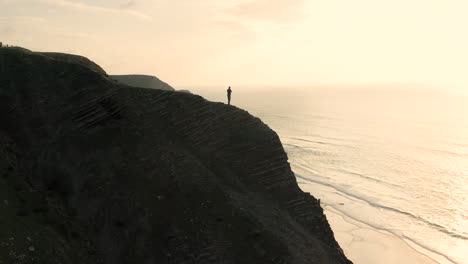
column 96, row 172
column 142, row 81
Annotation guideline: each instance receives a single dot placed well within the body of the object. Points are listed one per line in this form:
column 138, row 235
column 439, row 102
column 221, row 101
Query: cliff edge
column 92, row 171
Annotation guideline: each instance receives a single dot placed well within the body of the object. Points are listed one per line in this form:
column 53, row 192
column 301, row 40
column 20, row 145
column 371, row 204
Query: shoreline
column 369, row 245
column 365, row 244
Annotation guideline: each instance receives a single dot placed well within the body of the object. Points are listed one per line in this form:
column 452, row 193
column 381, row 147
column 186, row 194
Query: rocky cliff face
column 96, row 172
column 142, row 81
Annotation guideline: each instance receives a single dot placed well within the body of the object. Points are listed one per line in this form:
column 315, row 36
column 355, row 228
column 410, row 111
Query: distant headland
column 143, row 81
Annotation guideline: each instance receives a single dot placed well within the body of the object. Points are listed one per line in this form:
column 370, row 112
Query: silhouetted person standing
column 229, row 91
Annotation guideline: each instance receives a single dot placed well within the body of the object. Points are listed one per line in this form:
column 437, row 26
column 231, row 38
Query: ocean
column 394, row 159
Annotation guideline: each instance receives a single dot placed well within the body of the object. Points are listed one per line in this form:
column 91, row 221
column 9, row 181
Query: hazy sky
column 254, row 42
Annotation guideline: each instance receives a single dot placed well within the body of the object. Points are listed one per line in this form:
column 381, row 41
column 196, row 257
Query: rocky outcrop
column 142, row 81
column 97, row 172
column 56, row 56
column 75, row 59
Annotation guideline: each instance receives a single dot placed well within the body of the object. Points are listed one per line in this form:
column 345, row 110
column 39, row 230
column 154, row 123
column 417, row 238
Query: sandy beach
column 364, row 244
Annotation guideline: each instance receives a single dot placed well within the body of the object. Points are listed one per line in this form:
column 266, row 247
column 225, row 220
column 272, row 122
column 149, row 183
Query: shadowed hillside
column 97, row 172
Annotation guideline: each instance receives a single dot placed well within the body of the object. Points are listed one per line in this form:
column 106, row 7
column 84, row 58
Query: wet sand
column 364, row 244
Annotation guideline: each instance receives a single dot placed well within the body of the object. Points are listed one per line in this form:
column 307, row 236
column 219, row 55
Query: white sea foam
column 402, row 224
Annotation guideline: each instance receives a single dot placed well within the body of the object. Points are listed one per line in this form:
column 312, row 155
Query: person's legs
column 229, row 99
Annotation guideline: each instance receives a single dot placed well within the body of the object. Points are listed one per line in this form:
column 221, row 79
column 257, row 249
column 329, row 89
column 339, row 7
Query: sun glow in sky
column 254, row 42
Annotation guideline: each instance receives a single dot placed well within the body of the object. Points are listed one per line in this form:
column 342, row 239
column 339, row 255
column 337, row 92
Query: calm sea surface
column 395, row 160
